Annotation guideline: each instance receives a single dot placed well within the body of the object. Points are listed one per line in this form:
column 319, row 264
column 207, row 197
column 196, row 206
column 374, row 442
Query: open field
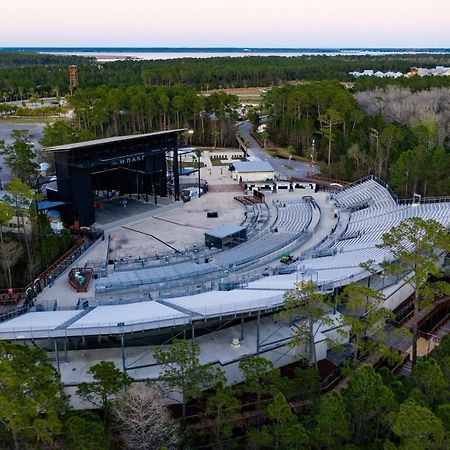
column 246, row 95
column 29, row 119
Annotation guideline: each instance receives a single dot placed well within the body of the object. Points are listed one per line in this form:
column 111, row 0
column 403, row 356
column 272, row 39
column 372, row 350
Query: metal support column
column 242, row 329
column 258, row 320
column 66, row 356
column 176, row 174
column 199, row 174
column 58, row 368
column 122, row 345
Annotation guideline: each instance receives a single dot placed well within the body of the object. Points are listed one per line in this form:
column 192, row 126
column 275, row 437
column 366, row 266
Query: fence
column 29, row 292
column 178, row 318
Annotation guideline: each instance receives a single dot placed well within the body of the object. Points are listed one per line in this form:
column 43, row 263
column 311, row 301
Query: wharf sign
column 122, row 160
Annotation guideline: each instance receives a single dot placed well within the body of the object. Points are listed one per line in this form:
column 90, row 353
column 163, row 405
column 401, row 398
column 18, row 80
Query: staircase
column 443, row 330
column 406, row 369
column 74, row 318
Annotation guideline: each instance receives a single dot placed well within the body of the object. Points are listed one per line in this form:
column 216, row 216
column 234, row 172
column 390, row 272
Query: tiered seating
column 372, row 226
column 163, row 275
column 256, row 218
column 294, row 217
column 367, row 193
column 364, row 231
column 265, row 244
column 337, row 260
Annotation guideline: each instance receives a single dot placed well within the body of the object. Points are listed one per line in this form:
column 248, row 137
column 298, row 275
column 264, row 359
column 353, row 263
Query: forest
column 397, row 130
column 106, row 111
column 47, row 75
column 10, row 58
column 29, row 245
column 395, row 134
column 271, row 409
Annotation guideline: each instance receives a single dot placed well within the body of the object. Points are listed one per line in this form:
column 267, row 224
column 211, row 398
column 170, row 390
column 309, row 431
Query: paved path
column 286, row 168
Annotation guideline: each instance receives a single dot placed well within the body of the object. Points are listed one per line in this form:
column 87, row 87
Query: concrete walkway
column 286, row 168
column 215, row 348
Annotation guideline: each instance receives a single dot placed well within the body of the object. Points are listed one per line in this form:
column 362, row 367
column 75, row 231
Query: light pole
column 374, row 133
column 122, row 345
column 312, row 155
column 199, row 177
column 197, row 153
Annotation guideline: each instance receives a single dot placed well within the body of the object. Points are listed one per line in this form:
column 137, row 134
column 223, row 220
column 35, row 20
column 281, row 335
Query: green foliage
column 414, row 245
column 48, row 246
column 23, row 73
column 33, row 235
column 223, row 407
column 30, row 395
column 19, row 156
column 443, row 412
column 59, row 133
column 306, row 305
column 106, row 111
column 428, row 378
column 108, row 382
column 444, row 348
column 6, row 214
column 418, row 428
column 363, row 313
column 332, row 422
column 368, row 401
column 413, row 83
column 305, row 384
column 182, row 371
column 257, row 373
column 300, row 113
column 85, row 431
column 284, row 430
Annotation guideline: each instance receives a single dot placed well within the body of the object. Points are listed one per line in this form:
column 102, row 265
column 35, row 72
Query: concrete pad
column 225, row 302
column 134, row 313
column 45, row 320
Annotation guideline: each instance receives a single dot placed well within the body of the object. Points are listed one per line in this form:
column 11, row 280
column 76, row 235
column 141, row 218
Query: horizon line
column 221, row 47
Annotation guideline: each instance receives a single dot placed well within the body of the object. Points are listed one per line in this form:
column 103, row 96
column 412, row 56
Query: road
column 286, row 168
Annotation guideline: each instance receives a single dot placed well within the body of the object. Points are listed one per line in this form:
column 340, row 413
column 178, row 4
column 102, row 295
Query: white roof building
column 253, row 171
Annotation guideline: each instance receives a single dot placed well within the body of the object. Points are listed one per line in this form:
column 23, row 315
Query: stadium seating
column 294, row 217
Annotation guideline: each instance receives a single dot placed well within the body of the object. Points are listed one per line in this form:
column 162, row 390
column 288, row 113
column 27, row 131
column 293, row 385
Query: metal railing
column 226, row 310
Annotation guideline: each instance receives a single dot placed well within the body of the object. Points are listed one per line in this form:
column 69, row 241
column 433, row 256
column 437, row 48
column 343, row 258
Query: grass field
column 29, row 119
column 284, row 153
column 246, row 95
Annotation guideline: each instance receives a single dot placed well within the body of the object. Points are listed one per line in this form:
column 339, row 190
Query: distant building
column 378, row 74
column 438, row 71
column 252, row 171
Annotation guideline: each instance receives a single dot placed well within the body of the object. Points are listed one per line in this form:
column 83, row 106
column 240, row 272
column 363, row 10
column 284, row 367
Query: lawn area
column 284, row 153
column 192, row 164
column 30, row 119
column 218, row 162
column 246, row 95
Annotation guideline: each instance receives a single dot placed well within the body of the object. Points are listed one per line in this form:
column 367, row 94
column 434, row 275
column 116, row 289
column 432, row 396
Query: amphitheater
column 226, row 297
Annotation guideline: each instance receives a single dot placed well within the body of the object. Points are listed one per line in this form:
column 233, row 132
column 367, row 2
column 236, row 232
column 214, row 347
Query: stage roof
column 252, row 166
column 222, row 231
column 110, row 140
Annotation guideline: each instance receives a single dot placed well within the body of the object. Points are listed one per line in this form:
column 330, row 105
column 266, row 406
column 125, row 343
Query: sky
column 225, row 23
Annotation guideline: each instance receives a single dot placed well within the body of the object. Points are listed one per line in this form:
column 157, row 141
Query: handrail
column 440, row 323
column 43, row 275
column 424, row 200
